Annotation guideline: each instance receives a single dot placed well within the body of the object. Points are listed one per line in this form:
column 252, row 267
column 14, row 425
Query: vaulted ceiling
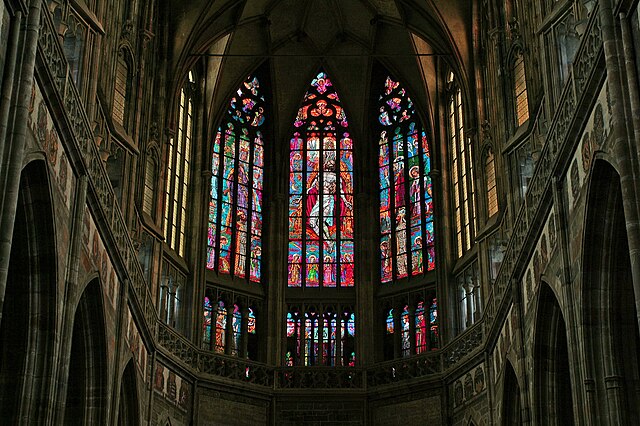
column 345, row 37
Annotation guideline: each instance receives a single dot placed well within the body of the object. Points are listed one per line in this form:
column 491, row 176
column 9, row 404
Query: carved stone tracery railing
column 539, row 187
column 80, row 143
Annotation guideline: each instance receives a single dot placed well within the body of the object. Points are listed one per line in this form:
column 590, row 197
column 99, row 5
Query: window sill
column 241, row 285
column 150, row 225
column 175, row 258
column 553, row 16
column 491, row 225
column 89, row 17
column 521, row 133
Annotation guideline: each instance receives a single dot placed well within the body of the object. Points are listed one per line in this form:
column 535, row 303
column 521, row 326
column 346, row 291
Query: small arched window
column 520, row 89
column 122, row 90
column 150, row 185
column 492, row 190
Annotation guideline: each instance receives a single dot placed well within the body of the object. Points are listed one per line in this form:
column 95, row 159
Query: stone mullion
column 412, row 330
column 244, row 336
column 229, row 340
column 339, row 321
column 397, row 332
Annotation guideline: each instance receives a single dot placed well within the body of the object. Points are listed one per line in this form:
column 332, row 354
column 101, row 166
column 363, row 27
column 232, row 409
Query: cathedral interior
column 454, row 241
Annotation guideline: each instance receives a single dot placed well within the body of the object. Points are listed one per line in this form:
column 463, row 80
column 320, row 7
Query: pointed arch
column 28, row 317
column 129, row 409
column 321, row 223
column 511, row 410
column 234, row 244
column 87, row 382
column 612, row 338
column 551, row 362
column 406, row 201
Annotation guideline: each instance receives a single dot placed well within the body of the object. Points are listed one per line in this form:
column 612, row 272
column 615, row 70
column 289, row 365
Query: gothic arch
column 611, row 337
column 87, row 382
column 129, row 407
column 29, row 306
column 511, row 404
column 552, row 379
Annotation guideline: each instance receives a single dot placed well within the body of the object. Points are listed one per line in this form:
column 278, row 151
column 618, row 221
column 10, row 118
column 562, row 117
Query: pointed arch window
column 461, row 170
column 520, row 89
column 492, row 190
column 321, row 248
column 150, row 185
column 237, row 168
column 406, row 203
column 179, row 170
column 122, row 90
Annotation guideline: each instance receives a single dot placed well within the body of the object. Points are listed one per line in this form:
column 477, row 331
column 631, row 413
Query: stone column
column 13, row 135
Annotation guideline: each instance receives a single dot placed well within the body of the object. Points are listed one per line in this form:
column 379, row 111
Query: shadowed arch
column 551, row 363
column 511, row 398
column 87, row 384
column 28, row 313
column 610, row 319
column 129, row 412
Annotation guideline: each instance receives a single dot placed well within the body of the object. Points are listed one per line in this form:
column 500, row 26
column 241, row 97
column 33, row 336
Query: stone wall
column 320, row 412
column 419, row 411
column 224, row 408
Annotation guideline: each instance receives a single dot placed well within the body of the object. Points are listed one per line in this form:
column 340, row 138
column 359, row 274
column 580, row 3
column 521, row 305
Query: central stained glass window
column 321, row 251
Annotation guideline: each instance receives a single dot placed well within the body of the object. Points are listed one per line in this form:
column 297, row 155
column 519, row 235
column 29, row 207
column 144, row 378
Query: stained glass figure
column 406, row 206
column 221, row 327
column 236, row 323
column 206, row 324
column 433, row 323
column 321, row 249
column 421, row 329
column 235, row 206
column 405, row 332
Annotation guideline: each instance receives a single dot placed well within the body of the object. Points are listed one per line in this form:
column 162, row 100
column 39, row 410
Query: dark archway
column 28, row 312
column 511, row 411
column 87, row 384
column 610, row 319
column 128, row 410
column 551, row 363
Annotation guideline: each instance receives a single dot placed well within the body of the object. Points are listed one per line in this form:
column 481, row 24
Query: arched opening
column 28, row 312
column 610, row 318
column 128, row 407
column 511, row 399
column 551, row 361
column 87, row 383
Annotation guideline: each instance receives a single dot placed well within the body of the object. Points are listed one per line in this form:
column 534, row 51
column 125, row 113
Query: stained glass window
column 320, row 338
column 414, row 331
column 406, row 204
column 237, row 167
column 321, row 249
